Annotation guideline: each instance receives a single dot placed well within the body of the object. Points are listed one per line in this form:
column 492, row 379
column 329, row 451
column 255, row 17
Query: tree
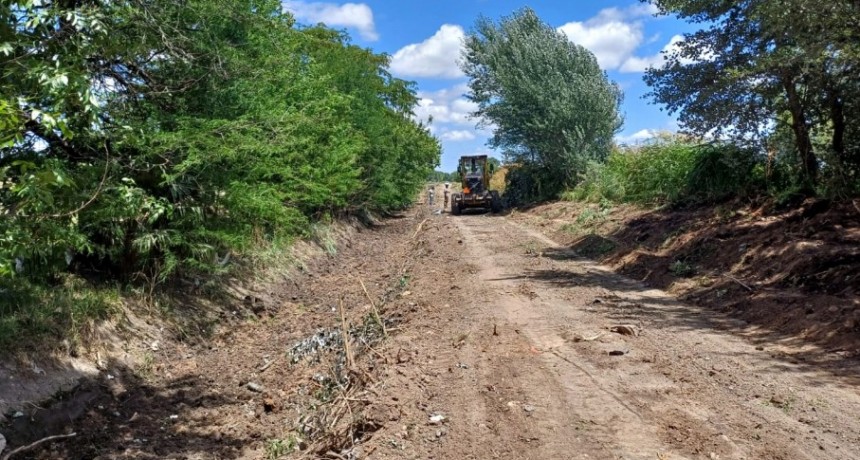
column 146, row 139
column 549, row 103
column 762, row 65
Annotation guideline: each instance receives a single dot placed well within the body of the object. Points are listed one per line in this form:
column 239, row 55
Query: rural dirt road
column 501, row 344
column 538, row 375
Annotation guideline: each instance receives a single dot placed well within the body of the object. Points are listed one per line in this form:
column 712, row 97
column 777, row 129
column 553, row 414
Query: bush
column 120, row 166
column 669, row 170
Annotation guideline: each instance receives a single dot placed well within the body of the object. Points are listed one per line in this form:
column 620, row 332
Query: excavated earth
column 479, row 337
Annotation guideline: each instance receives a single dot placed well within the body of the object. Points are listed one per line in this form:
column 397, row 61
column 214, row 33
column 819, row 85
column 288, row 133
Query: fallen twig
column 739, row 282
column 11, row 453
column 267, row 365
column 580, row 338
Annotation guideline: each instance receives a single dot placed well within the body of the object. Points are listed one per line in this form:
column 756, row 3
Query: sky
column 424, row 40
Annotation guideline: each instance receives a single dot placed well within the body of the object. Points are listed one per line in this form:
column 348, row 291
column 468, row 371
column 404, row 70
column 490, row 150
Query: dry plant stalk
column 375, row 310
column 9, row 454
column 418, row 230
column 739, row 282
column 345, row 333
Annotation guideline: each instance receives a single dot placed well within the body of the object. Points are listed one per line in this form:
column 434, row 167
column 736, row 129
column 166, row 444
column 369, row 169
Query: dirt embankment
column 793, row 273
column 271, row 378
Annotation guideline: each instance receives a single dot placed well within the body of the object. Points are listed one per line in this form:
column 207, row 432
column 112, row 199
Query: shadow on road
column 637, row 301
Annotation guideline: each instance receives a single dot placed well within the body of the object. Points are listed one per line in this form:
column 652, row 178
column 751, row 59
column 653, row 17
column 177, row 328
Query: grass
column 324, row 236
column 29, row 313
column 146, row 366
column 589, row 218
column 671, row 169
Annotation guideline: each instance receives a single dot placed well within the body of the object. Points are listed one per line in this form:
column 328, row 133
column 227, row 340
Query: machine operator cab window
column 473, row 167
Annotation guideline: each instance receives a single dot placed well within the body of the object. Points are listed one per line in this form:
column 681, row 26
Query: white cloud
column 638, row 137
column 351, row 15
column 640, row 64
column 611, row 42
column 446, row 106
column 457, row 135
column 437, row 56
column 613, row 35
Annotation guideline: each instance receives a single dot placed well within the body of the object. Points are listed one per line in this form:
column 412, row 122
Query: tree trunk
column 837, row 117
column 808, row 161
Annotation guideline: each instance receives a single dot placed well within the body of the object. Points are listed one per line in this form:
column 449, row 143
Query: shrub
column 670, row 169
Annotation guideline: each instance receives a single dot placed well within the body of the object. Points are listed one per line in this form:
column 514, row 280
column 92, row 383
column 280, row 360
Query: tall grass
column 670, row 170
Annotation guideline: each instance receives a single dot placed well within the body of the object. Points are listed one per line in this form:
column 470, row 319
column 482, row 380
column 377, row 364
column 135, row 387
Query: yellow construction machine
column 475, row 173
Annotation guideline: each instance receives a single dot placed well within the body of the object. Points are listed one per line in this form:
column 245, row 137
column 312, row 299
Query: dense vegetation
column 776, row 75
column 773, row 80
column 552, row 108
column 677, row 169
column 152, row 140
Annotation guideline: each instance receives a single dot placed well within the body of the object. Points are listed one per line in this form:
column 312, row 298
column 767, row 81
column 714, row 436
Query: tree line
column 151, row 139
column 767, row 82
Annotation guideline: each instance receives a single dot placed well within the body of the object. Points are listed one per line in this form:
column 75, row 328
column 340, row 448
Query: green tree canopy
column 148, row 138
column 759, row 67
column 549, row 103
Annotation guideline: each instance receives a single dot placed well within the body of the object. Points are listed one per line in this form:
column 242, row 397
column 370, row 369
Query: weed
column 277, row 448
column 670, row 169
column 404, row 281
column 596, row 247
column 573, row 229
column 681, row 269
column 531, row 247
column 704, row 281
column 327, row 390
column 144, row 369
column 784, row 404
column 723, row 213
column 589, row 218
column 323, row 236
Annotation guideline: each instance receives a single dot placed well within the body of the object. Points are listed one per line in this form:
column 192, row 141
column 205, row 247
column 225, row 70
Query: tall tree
column 759, row 63
column 148, row 137
column 550, row 104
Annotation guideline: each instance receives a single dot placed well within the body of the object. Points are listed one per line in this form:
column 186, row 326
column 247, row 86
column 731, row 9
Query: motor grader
column 475, row 173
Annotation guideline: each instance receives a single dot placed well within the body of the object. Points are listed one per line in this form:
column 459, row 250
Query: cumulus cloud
column 446, row 106
column 357, row 16
column 637, row 138
column 457, row 135
column 611, row 42
column 641, row 64
column 435, row 57
column 613, row 35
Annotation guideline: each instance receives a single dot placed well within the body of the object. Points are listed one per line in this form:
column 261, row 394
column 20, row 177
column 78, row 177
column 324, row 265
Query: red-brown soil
column 794, row 273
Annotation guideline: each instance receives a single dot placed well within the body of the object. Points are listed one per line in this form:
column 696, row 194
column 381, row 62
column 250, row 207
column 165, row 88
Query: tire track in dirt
column 683, row 389
column 618, row 428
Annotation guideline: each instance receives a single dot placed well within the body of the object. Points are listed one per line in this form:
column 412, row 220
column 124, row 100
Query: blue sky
column 424, row 40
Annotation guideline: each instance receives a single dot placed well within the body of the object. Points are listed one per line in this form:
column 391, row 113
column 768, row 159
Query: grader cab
column 475, row 173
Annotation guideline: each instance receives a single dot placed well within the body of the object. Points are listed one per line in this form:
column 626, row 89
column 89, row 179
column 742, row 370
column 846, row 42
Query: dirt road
column 500, row 344
column 540, row 375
